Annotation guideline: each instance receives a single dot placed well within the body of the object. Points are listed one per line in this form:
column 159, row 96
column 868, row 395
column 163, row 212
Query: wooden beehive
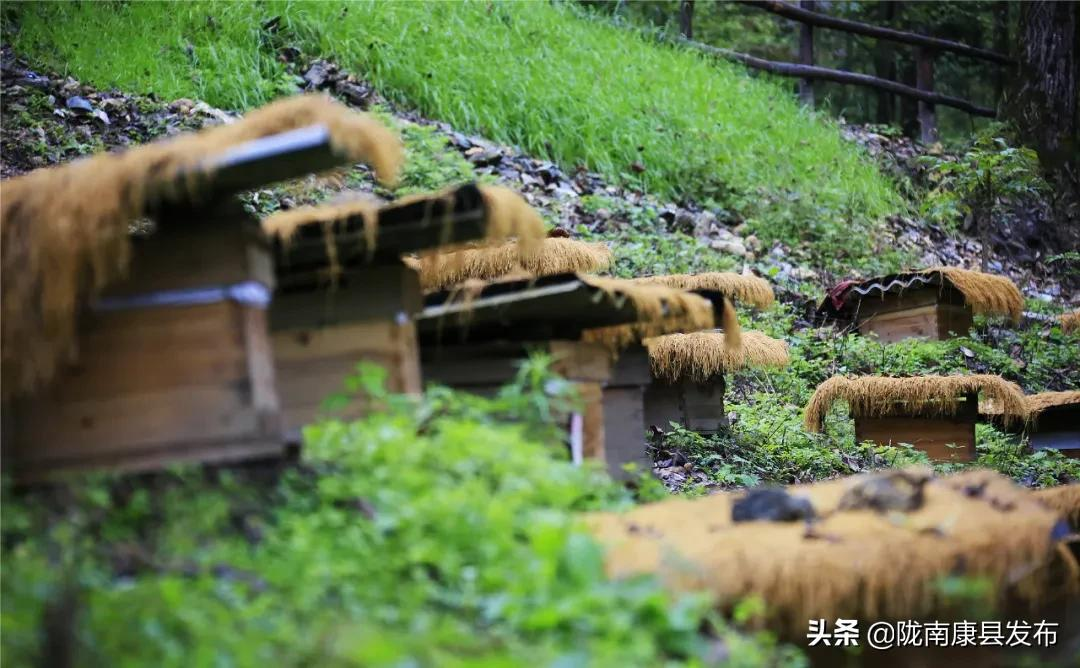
column 174, row 363
column 942, row 438
column 935, row 304
column 478, row 344
column 928, row 313
column 1057, row 428
column 342, row 301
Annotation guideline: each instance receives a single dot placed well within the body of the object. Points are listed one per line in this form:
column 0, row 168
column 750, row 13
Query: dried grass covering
column 1064, row 500
column 742, row 288
column 64, row 230
column 1070, row 322
column 1037, row 403
column 439, row 271
column 986, row 294
column 661, row 310
column 855, row 564
column 872, row 396
column 702, row 356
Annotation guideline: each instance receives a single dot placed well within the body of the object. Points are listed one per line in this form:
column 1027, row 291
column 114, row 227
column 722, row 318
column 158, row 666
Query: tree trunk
column 885, row 67
column 806, row 55
column 686, row 18
column 1043, row 105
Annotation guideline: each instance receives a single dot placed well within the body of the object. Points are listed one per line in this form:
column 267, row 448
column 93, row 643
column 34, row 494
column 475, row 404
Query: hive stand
column 903, row 306
column 341, row 301
column 696, row 406
column 479, row 343
column 945, row 438
column 624, row 411
column 174, row 363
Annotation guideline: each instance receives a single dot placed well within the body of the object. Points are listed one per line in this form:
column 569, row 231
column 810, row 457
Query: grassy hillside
column 544, row 76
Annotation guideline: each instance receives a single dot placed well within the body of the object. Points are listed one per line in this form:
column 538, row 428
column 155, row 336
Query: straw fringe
column 661, row 310
column 1070, row 322
column 1037, row 403
column 743, row 288
column 986, row 294
column 701, row 356
column 921, row 395
column 439, row 271
column 1065, row 500
column 855, row 564
column 64, row 230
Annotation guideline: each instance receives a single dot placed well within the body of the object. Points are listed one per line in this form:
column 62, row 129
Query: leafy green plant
column 989, row 170
column 442, row 530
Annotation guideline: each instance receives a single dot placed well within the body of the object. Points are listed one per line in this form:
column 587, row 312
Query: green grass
column 544, row 76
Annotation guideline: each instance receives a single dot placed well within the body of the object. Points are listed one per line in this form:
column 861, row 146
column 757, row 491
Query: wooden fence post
column 806, row 55
column 686, row 18
column 924, row 80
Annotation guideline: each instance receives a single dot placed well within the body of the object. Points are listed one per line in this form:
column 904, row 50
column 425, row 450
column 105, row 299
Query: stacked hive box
column 173, row 361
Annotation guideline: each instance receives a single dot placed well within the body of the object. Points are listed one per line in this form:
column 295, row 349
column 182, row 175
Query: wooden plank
column 662, row 406
column 150, row 349
column 931, row 435
column 313, row 364
column 218, row 247
column 90, row 428
column 260, row 364
column 593, row 421
column 936, row 323
column 157, row 457
column 624, row 429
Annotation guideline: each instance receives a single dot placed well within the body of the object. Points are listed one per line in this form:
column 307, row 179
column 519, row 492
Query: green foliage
column 1007, row 454
column 972, row 184
column 438, row 531
column 642, row 246
column 575, row 89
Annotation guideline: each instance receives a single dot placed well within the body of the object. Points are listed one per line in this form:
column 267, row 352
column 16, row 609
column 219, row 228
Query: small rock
column 317, row 74
column 182, row 106
column 602, row 214
column 355, row 94
column 771, row 504
column 637, row 167
column 752, row 242
column 101, row 116
column 729, row 247
column 76, row 103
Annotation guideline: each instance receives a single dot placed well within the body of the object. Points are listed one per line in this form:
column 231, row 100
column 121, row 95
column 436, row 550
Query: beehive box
column 174, row 363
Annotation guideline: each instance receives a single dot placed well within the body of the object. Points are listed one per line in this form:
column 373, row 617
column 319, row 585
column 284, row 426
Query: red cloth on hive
column 836, row 295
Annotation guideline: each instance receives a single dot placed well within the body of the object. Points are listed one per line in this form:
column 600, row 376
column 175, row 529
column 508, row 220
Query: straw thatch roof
column 64, row 230
column 439, row 271
column 920, row 395
column 702, row 356
column 506, row 214
column 851, row 563
column 1070, row 322
column 1064, row 500
column 1037, row 403
column 661, row 310
column 743, row 288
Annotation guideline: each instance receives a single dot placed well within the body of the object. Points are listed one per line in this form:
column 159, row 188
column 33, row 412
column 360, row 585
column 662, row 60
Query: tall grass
column 544, row 76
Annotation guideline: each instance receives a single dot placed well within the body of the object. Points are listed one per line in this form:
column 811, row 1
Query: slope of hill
column 560, row 84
